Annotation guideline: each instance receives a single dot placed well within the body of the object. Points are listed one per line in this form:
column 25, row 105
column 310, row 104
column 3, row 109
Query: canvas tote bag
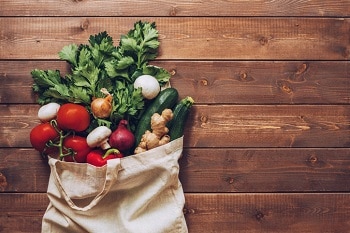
column 137, row 194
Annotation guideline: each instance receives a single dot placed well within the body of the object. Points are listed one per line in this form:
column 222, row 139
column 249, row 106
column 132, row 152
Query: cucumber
column 177, row 124
column 167, row 98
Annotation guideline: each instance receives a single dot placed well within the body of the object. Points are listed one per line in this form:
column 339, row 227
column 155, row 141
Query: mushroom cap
column 98, row 136
column 48, row 111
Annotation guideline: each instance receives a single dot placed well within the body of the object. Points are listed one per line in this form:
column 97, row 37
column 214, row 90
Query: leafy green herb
column 100, row 64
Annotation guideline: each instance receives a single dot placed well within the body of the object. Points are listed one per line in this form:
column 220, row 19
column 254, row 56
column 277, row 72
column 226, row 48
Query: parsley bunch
column 100, row 64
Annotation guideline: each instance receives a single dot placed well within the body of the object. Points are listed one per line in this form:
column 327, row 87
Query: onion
column 122, row 138
column 150, row 87
column 102, row 107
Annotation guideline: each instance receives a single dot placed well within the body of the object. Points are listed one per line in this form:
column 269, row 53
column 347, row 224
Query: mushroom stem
column 105, row 145
column 99, row 137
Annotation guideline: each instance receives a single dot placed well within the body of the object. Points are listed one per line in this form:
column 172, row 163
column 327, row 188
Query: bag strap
column 112, row 170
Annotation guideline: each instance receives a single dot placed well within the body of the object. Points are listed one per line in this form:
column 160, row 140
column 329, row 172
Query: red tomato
column 79, row 147
column 72, row 116
column 41, row 134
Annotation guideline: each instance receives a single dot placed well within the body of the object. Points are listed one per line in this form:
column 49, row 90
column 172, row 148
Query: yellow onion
column 102, row 107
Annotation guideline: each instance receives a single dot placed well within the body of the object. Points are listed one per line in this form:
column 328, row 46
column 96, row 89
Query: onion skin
column 102, row 107
column 122, row 138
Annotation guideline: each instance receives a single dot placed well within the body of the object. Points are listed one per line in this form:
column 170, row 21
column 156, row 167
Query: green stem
column 62, row 136
column 139, row 54
column 110, row 151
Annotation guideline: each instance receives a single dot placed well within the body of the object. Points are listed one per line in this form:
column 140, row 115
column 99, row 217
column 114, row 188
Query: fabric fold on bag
column 140, row 193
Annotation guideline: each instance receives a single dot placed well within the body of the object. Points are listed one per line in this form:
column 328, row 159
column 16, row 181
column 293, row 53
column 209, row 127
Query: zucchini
column 167, row 98
column 177, row 124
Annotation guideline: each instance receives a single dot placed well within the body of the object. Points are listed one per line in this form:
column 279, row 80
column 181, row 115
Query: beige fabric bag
column 139, row 194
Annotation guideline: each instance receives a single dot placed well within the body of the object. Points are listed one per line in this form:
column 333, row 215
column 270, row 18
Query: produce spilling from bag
column 111, row 104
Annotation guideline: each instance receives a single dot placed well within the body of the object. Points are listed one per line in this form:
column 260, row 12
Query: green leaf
column 69, row 54
column 129, row 44
column 161, row 74
column 58, row 92
column 80, row 95
column 124, row 62
column 80, row 80
column 84, row 56
column 150, row 36
column 102, row 40
column 45, row 79
column 102, row 47
column 110, row 68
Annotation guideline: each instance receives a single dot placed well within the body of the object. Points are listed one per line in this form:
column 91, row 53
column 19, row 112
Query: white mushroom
column 99, row 137
column 48, row 111
column 149, row 86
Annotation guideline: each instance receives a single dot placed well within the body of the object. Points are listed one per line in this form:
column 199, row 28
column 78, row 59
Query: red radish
column 122, row 138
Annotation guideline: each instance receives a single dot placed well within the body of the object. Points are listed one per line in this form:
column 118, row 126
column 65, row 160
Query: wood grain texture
column 178, row 8
column 267, row 144
column 231, row 170
column 216, row 213
column 269, row 126
column 217, row 82
column 265, row 170
column 268, row 212
column 187, row 38
column 225, row 126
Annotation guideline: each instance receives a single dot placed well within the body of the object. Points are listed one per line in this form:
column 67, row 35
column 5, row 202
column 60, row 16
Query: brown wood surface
column 225, row 125
column 220, row 82
column 214, row 170
column 258, row 212
column 267, row 144
column 244, row 38
column 178, row 8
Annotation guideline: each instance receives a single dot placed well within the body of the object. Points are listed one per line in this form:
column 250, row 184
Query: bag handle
column 112, row 170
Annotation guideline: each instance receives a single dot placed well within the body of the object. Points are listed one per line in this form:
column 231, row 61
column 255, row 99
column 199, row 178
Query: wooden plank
column 15, row 76
column 220, row 82
column 23, row 170
column 214, row 170
column 259, row 212
column 265, row 170
column 187, row 38
column 180, row 8
column 225, row 125
column 268, row 126
column 22, row 212
column 326, row 212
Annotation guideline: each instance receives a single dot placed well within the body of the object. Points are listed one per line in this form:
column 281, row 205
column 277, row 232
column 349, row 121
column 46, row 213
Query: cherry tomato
column 41, row 134
column 78, row 146
column 72, row 116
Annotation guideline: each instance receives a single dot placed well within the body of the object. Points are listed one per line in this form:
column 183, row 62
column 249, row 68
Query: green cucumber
column 167, row 98
column 177, row 124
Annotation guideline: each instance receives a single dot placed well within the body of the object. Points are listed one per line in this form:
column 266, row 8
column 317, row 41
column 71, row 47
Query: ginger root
column 158, row 136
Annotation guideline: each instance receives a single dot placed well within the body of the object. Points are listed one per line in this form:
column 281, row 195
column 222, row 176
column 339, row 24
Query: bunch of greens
column 100, row 64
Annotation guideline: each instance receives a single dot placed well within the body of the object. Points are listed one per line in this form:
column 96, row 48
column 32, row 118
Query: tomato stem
column 60, row 146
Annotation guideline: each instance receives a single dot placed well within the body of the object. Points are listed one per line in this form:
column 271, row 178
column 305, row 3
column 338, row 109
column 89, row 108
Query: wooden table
column 267, row 145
